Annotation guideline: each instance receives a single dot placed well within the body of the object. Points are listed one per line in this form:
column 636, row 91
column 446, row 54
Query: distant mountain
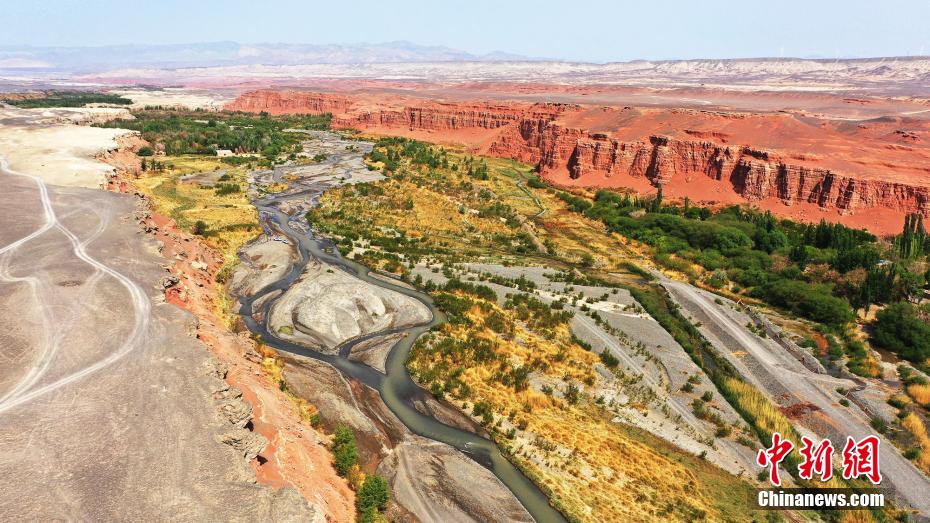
column 891, row 75
column 96, row 59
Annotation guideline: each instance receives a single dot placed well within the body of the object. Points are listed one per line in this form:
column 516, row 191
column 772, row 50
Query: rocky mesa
column 864, row 173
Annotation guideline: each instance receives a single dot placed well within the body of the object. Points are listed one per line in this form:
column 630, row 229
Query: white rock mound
column 327, row 307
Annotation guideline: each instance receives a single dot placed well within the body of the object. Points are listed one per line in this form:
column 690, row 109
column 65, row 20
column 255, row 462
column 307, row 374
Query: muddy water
column 397, row 389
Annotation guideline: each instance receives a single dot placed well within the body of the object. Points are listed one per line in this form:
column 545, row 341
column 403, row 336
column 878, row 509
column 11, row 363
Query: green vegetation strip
column 66, row 99
column 180, row 132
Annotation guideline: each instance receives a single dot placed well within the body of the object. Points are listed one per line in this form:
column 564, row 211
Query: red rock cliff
column 596, row 159
column 708, row 156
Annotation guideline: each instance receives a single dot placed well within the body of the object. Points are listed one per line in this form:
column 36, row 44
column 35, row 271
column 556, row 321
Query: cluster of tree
column 740, row 245
column 535, row 182
column 152, row 165
column 188, row 132
column 806, row 300
column 371, row 497
column 475, row 289
column 448, row 358
column 477, row 169
column 901, row 329
column 389, row 151
column 454, row 307
column 535, row 313
column 886, row 283
column 345, row 451
column 66, row 99
column 223, row 189
column 238, row 160
column 913, row 239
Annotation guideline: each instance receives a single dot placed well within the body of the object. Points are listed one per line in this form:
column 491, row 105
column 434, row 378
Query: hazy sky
column 577, row 30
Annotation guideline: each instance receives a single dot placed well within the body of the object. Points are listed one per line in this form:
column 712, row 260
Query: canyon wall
column 577, row 157
column 702, row 165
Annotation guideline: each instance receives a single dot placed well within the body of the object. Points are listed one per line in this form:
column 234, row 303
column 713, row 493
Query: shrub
column 898, row 329
column 609, row 359
column 200, row 228
column 373, row 496
column 572, row 393
column 810, row 301
column 344, row 450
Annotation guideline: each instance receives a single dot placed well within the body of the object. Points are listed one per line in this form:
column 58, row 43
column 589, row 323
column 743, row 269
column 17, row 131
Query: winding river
column 396, row 387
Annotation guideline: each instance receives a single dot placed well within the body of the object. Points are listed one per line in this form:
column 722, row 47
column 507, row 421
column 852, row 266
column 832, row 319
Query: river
column 396, row 387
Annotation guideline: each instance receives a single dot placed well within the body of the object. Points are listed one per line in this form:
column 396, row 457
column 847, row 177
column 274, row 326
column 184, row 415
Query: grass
column 422, row 211
column 920, row 393
column 760, row 411
column 592, row 468
column 918, row 431
column 567, row 443
column 231, row 219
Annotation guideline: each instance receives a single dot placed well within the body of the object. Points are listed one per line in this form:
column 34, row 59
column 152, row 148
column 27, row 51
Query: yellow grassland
column 231, row 219
column 593, row 469
column 920, row 393
column 915, row 426
column 448, row 218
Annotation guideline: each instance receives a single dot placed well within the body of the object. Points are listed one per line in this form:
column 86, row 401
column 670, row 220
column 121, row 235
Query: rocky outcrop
column 327, row 307
column 630, row 148
column 430, row 481
column 421, row 472
column 352, row 112
column 751, row 173
column 289, row 102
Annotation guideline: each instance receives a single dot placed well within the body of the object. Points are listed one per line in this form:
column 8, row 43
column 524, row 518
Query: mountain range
column 213, row 54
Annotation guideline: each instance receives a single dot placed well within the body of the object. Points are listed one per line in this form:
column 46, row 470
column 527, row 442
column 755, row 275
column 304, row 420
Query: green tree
column 913, row 238
column 373, row 495
column 344, row 450
column 200, row 228
column 899, row 329
column 810, row 301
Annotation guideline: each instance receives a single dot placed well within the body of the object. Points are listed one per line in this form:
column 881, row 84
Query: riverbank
column 296, row 455
column 573, row 380
column 384, row 411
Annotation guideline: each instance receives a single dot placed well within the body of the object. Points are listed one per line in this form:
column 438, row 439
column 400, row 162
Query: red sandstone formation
column 866, row 173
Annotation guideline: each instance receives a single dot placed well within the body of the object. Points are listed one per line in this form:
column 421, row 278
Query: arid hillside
column 861, row 161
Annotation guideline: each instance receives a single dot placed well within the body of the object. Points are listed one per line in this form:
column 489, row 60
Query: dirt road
column 775, row 371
